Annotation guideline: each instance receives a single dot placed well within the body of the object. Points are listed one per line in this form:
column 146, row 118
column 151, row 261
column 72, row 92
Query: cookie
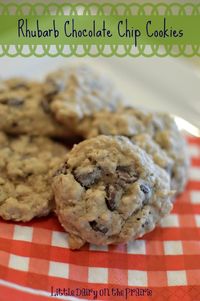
column 164, row 131
column 109, row 191
column 77, row 92
column 158, row 136
column 26, row 167
column 152, row 148
column 122, row 122
column 23, row 110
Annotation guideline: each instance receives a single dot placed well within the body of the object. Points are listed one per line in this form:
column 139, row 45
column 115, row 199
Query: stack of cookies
column 113, row 186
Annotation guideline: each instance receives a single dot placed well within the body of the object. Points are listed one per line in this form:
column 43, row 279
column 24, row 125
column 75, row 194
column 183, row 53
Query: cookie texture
column 26, row 167
column 156, row 133
column 24, row 110
column 76, row 92
column 109, row 191
column 164, row 131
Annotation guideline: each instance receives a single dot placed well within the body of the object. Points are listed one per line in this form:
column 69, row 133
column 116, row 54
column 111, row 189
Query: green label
column 94, row 30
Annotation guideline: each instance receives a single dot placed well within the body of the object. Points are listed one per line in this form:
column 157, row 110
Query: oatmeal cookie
column 77, row 92
column 156, row 133
column 23, row 110
column 109, row 191
column 164, row 131
column 26, row 167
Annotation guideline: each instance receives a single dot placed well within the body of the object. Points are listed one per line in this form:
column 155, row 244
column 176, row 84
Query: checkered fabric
column 35, row 261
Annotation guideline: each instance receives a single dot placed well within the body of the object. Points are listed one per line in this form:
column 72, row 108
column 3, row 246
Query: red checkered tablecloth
column 36, row 263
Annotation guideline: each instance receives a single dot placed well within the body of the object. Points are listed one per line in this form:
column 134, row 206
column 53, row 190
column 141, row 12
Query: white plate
column 162, row 84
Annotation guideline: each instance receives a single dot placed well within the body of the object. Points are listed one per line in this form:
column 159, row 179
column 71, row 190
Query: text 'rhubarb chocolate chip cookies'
column 109, row 191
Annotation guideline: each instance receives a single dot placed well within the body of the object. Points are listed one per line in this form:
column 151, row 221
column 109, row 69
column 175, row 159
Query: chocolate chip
column 113, row 196
column 62, row 170
column 29, row 174
column 88, row 179
column 98, row 228
column 126, row 175
column 14, row 124
column 173, row 174
column 15, row 102
column 145, row 224
column 45, row 106
column 147, row 192
column 145, row 188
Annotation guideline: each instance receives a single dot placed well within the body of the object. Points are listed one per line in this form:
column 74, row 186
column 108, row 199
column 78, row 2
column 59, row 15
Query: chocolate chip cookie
column 158, row 136
column 23, row 110
column 164, row 131
column 26, row 168
column 109, row 191
column 76, row 92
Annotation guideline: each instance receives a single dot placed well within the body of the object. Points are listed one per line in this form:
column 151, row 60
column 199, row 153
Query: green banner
column 105, row 30
column 167, row 29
